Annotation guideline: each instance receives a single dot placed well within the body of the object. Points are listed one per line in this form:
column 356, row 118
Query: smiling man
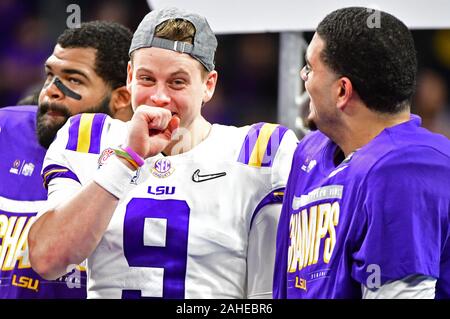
column 85, row 73
column 366, row 210
column 178, row 207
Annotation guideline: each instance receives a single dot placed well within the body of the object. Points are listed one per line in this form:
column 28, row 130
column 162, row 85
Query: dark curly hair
column 380, row 60
column 112, row 42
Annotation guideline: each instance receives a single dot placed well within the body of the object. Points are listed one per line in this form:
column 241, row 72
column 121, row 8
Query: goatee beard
column 46, row 133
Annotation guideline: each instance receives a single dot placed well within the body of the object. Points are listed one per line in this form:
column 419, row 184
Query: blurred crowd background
column 247, row 64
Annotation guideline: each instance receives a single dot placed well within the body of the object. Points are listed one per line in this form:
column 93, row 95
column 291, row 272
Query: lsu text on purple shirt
column 21, row 193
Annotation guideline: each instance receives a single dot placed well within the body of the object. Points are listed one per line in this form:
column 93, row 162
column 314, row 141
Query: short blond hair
column 178, row 30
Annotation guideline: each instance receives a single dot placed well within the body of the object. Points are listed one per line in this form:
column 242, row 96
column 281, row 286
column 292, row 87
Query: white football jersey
column 182, row 230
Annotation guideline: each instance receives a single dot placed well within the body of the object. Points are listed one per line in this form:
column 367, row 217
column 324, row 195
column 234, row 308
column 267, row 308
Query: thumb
column 174, row 123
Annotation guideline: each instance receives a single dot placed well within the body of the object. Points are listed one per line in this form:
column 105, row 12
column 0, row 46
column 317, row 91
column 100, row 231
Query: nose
column 52, row 91
column 160, row 97
column 303, row 74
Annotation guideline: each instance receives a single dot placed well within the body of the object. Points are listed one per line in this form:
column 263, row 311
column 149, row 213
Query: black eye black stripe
column 66, row 91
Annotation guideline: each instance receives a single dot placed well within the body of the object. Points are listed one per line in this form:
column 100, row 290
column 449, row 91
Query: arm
column 261, row 252
column 404, row 210
column 68, row 233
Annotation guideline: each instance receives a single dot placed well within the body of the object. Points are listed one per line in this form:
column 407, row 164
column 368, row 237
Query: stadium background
column 247, row 64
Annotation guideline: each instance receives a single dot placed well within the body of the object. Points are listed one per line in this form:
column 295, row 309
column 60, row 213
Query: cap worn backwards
column 205, row 42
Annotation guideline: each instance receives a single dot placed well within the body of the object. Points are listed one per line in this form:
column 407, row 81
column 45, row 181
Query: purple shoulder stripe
column 96, row 133
column 85, row 133
column 273, row 145
column 261, row 144
column 249, row 143
column 73, row 132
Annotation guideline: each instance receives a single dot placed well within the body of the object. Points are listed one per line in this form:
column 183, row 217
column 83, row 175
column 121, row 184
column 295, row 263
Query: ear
column 129, row 75
column 121, row 104
column 210, row 86
column 345, row 92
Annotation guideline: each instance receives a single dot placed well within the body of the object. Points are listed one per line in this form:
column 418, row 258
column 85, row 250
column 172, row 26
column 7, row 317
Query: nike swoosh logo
column 340, row 169
column 197, row 178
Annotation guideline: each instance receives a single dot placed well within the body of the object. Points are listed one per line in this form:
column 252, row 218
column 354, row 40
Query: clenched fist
column 150, row 130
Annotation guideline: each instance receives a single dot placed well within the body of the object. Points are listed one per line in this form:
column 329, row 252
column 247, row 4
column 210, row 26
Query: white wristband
column 114, row 176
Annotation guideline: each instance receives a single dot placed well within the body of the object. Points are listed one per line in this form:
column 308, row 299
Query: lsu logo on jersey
column 14, row 230
column 261, row 144
column 312, row 230
column 161, row 190
column 85, row 132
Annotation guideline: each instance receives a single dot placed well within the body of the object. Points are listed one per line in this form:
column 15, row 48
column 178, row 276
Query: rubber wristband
column 139, row 160
column 122, row 154
column 114, row 176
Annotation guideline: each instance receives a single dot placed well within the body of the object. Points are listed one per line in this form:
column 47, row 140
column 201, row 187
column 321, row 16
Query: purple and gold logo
column 162, row 168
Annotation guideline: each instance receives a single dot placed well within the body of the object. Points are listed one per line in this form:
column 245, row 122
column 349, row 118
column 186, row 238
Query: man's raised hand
column 151, row 130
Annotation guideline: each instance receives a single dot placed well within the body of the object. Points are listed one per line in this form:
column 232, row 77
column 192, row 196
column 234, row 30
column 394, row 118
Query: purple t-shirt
column 380, row 215
column 21, row 194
